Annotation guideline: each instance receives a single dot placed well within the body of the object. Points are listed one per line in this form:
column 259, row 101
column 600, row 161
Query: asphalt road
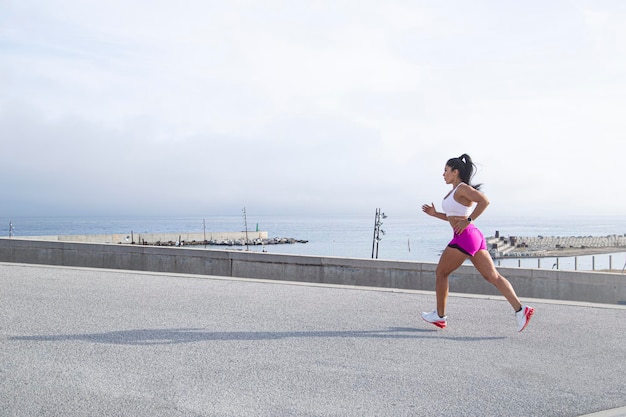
column 86, row 342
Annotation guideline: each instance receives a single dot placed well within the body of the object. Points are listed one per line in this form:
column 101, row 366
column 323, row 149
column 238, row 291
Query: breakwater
column 551, row 246
column 176, row 239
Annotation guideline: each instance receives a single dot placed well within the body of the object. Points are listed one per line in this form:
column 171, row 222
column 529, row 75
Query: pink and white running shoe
column 523, row 317
column 433, row 318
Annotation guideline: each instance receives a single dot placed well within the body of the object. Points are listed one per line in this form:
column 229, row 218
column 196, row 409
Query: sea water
column 417, row 238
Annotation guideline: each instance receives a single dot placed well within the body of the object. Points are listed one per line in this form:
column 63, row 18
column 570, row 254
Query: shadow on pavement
column 191, row 335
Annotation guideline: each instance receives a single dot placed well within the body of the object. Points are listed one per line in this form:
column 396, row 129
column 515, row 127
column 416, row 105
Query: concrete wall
column 535, row 283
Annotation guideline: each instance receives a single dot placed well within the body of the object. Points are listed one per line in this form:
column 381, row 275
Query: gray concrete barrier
column 593, row 287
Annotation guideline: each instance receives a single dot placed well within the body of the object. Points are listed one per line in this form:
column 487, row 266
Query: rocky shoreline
column 554, row 246
column 231, row 242
column 243, row 238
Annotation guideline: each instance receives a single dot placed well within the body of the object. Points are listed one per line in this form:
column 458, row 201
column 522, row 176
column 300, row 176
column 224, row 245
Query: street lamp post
column 377, row 232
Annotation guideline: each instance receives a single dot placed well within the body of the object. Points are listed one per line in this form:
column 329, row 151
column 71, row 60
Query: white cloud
column 341, row 106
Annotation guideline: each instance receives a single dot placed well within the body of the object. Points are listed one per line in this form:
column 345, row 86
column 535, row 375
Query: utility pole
column 245, row 222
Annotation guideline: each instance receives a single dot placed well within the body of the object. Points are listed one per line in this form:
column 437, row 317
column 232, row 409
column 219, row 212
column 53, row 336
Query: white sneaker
column 433, row 317
column 523, row 317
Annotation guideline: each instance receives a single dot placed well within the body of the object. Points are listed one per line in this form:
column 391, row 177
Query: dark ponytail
column 466, row 169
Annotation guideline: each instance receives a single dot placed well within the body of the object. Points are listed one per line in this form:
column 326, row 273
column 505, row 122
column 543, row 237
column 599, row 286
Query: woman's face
column 450, row 174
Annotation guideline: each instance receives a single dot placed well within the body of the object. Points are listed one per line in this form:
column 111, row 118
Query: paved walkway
column 86, row 342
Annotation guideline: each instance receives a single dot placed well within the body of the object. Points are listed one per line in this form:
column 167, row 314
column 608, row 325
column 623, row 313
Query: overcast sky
column 201, row 107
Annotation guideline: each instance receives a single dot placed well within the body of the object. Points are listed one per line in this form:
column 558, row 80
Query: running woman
column 461, row 207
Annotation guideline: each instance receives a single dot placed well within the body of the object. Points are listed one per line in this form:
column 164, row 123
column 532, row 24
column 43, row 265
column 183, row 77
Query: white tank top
column 453, row 208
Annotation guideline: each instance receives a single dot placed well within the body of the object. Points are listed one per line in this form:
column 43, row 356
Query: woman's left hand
column 459, row 224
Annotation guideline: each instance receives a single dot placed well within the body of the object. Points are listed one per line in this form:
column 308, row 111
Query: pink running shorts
column 470, row 241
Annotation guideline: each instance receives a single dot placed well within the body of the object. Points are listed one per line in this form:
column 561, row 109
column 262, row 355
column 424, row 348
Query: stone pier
column 539, row 246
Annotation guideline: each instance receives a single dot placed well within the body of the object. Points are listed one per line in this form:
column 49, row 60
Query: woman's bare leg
column 484, row 264
column 449, row 261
